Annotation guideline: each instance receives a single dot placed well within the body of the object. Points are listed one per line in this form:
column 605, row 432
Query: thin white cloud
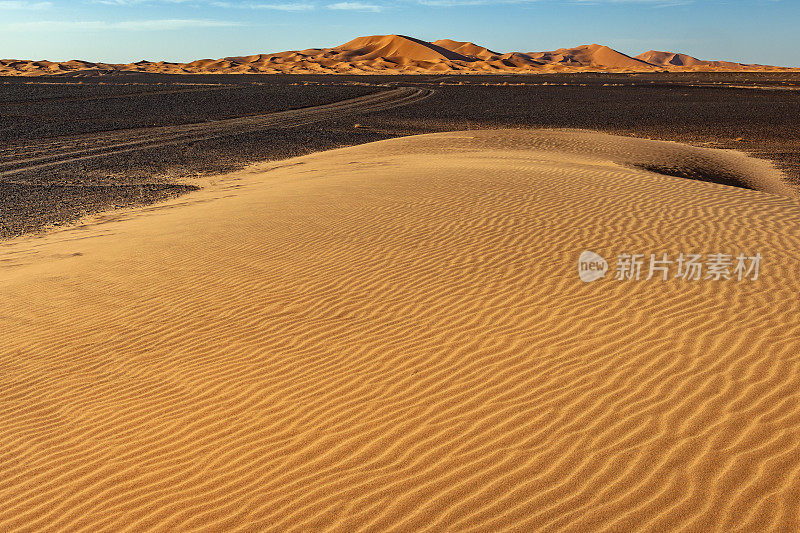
column 274, row 7
column 654, row 3
column 171, row 24
column 355, row 6
column 128, row 25
column 138, row 2
column 21, row 4
column 457, row 3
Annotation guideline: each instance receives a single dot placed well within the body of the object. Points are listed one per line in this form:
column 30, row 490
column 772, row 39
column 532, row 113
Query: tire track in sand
column 53, row 152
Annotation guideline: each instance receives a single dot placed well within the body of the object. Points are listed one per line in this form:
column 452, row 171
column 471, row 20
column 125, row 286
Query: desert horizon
column 403, row 54
column 368, row 303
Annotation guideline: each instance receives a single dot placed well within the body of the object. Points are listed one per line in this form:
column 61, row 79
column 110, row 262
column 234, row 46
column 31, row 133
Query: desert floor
column 72, row 146
column 395, row 336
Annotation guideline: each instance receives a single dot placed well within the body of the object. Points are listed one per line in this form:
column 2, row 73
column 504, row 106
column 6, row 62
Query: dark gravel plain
column 33, row 108
column 756, row 113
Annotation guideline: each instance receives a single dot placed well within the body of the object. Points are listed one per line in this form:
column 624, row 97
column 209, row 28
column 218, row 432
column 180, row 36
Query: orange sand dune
column 673, row 61
column 467, row 49
column 393, row 336
column 670, row 59
column 398, row 54
column 397, row 46
column 593, row 55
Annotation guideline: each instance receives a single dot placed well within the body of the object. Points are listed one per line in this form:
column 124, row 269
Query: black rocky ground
column 756, row 113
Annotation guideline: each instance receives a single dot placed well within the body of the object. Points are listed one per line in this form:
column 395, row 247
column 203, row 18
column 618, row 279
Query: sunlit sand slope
column 394, row 336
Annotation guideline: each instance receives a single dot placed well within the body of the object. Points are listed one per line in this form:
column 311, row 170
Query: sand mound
column 467, row 49
column 397, row 46
column 675, row 61
column 394, row 336
column 591, row 55
column 670, row 59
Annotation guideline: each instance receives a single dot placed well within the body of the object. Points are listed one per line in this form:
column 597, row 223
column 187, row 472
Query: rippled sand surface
column 394, row 336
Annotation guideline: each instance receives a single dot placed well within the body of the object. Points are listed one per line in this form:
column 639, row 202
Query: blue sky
column 751, row 31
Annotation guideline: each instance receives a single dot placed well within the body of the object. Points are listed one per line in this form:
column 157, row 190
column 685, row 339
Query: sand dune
column 397, row 54
column 673, row 60
column 468, row 49
column 670, row 59
column 592, row 56
column 394, row 336
column 398, row 47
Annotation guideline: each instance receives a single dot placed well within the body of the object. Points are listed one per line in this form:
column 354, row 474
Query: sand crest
column 394, row 335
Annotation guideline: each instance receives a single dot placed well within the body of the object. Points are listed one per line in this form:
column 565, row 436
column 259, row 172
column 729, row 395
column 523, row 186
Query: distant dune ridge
column 398, row 54
column 670, row 59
